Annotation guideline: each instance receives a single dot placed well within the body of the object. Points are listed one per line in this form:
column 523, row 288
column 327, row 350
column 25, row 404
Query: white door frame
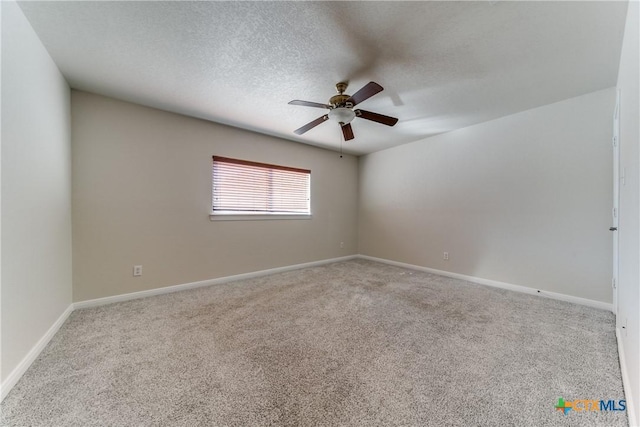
column 615, row 212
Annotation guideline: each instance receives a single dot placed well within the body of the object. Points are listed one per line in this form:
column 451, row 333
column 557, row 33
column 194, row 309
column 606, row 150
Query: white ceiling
column 444, row 65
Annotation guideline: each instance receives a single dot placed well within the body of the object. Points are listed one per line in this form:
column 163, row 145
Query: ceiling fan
column 341, row 110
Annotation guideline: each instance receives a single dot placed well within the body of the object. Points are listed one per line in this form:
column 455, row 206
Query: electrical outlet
column 341, row 244
column 445, row 256
column 137, row 270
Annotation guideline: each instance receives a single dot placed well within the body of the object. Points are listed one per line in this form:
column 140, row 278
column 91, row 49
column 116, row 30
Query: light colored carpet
column 355, row 343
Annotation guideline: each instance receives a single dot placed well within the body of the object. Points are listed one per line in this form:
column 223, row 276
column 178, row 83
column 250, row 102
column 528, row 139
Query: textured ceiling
column 444, row 65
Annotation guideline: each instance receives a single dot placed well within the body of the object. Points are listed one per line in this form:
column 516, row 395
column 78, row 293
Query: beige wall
column 525, row 199
column 36, row 190
column 142, row 195
column 629, row 227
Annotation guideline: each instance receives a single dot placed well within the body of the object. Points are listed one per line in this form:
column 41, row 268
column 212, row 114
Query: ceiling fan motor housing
column 339, row 100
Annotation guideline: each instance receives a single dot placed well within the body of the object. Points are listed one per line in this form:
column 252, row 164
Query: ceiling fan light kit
column 342, row 115
column 341, row 110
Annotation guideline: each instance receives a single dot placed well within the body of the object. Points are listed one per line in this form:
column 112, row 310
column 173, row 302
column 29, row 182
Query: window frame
column 231, row 215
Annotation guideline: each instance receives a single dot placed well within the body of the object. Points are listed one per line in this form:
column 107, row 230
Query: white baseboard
column 496, row 284
column 177, row 288
column 33, row 354
column 626, row 383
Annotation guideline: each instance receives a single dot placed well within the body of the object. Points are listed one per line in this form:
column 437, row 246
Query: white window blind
column 244, row 187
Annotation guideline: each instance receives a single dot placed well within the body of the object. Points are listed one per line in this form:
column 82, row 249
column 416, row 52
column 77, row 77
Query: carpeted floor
column 355, row 343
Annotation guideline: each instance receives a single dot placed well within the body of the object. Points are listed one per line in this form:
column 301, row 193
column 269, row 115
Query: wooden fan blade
column 309, row 104
column 311, row 125
column 375, row 117
column 366, row 92
column 347, row 132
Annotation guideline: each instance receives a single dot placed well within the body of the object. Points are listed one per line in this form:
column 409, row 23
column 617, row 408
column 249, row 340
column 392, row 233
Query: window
column 241, row 187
